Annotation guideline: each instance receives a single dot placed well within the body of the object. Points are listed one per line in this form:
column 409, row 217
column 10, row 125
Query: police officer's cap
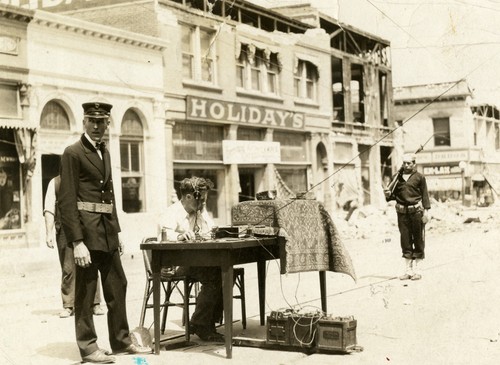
column 96, row 110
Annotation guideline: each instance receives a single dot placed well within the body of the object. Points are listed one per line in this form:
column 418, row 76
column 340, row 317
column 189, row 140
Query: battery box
column 289, row 329
column 336, row 334
column 312, row 331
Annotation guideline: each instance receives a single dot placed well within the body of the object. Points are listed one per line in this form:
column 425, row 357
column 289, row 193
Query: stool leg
column 147, row 294
column 166, row 304
column 243, row 304
column 187, row 290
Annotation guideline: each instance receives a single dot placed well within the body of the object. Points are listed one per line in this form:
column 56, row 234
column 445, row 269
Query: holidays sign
column 255, row 115
column 61, row 5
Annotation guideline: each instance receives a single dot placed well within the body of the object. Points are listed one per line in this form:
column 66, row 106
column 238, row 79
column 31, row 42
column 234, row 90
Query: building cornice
column 78, row 26
column 424, row 100
column 16, row 14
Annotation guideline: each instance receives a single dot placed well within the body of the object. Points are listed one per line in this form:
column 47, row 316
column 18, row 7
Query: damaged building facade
column 460, row 136
column 285, row 99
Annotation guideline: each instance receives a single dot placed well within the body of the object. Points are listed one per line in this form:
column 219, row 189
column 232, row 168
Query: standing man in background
column 53, row 220
column 412, row 204
column 90, row 223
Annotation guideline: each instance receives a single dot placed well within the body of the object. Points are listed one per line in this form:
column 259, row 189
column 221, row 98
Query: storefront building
column 16, row 127
column 231, row 91
column 249, row 108
column 460, row 137
column 77, row 62
column 363, row 142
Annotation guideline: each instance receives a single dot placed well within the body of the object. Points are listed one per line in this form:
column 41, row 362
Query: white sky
column 431, row 40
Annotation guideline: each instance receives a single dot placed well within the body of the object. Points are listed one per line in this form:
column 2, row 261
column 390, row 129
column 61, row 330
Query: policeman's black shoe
column 99, row 357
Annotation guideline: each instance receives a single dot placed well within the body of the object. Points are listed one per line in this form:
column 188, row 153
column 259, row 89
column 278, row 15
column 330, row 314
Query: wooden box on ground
column 336, row 334
column 292, row 329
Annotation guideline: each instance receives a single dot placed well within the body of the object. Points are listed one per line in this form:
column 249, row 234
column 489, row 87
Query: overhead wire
column 380, row 139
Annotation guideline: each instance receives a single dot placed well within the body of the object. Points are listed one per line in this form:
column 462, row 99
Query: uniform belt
column 400, row 208
column 95, row 207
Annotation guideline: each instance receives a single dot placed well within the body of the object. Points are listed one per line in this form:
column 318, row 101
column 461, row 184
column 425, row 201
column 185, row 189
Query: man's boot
column 408, row 270
column 416, row 269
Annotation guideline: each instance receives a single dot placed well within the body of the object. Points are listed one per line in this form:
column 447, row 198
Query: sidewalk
column 449, row 317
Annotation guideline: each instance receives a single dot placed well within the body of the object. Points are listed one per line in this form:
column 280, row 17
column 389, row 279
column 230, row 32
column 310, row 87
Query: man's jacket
column 87, row 178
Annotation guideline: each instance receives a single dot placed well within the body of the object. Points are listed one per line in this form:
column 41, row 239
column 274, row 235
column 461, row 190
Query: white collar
column 92, row 142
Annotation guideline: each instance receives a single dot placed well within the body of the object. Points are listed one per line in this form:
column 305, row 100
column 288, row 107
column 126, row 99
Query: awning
column 444, row 183
column 253, row 45
column 308, row 58
column 16, row 124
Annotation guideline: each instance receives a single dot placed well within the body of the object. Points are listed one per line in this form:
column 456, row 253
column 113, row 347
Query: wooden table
column 225, row 253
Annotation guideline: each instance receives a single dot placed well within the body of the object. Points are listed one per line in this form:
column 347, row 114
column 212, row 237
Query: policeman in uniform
column 90, row 223
column 412, row 204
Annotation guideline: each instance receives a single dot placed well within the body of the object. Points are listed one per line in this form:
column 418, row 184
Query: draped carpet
column 312, row 240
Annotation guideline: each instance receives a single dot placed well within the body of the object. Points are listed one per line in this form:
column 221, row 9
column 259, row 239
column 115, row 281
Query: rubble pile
column 380, row 224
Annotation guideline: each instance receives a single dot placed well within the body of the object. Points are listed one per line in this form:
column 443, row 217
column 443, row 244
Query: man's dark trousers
column 114, row 288
column 412, row 239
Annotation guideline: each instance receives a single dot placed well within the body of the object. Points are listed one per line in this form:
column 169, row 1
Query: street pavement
column 451, row 316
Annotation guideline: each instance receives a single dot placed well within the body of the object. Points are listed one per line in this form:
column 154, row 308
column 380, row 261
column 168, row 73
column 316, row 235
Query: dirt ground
column 451, row 316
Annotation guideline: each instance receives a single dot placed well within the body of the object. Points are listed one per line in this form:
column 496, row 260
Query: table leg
column 261, row 277
column 227, row 292
column 156, row 267
column 322, row 286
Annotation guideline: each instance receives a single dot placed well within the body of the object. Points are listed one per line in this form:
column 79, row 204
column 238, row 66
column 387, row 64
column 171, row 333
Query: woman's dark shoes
column 99, row 357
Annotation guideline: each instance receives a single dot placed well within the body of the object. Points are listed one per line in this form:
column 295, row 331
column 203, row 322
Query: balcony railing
column 362, row 130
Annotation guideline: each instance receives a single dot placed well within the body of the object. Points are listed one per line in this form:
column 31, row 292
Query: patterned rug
column 312, row 240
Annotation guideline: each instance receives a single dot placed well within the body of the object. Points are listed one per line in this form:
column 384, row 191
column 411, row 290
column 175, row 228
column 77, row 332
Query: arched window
column 131, row 153
column 54, row 117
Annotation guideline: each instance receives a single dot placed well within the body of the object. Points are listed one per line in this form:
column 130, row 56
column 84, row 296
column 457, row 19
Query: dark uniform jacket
column 412, row 191
column 87, row 178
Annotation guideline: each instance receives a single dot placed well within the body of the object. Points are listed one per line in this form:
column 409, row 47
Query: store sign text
column 250, row 152
column 441, row 170
column 206, row 109
column 60, row 4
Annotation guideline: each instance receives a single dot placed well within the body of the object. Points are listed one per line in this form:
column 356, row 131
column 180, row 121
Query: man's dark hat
column 96, row 110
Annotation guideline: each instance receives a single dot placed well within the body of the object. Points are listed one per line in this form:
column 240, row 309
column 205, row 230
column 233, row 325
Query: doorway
column 50, row 169
column 247, row 184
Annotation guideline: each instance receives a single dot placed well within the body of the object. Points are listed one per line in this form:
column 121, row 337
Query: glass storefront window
column 10, row 182
column 292, row 145
column 197, row 142
column 294, row 178
column 54, row 117
column 131, row 151
column 9, row 107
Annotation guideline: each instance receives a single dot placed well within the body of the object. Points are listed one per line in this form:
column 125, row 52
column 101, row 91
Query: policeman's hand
column 81, row 254
column 121, row 246
column 49, row 239
column 387, row 193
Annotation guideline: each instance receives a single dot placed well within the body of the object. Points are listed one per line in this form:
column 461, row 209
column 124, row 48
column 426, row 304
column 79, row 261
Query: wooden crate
column 292, row 329
column 336, row 334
